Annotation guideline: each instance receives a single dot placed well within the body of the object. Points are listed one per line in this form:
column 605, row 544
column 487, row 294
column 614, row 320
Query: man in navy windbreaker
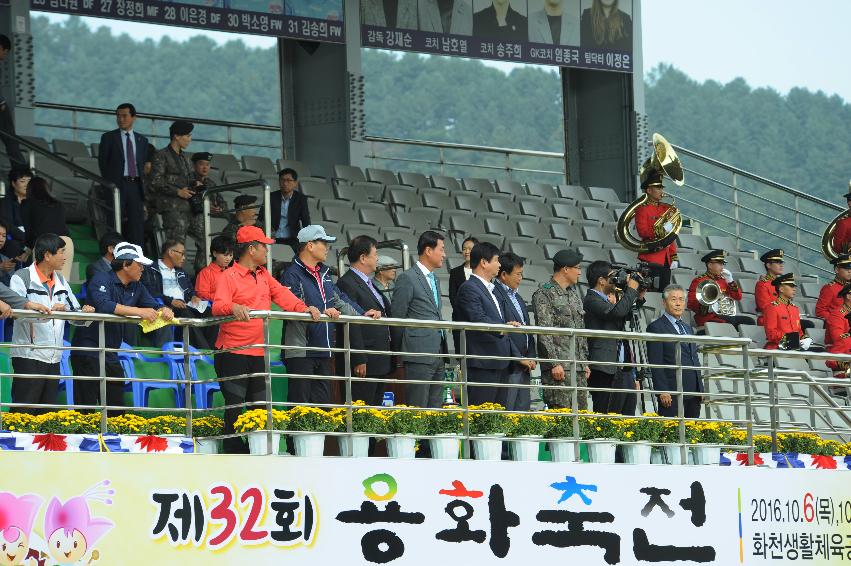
column 309, row 279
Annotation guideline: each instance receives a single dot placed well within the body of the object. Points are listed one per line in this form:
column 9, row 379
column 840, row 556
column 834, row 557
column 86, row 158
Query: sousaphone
column 665, row 163
column 830, row 253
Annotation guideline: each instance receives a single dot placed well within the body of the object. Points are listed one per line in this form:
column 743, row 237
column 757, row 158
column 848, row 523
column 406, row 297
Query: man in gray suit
column 417, row 295
column 452, row 16
column 403, row 14
column 557, row 23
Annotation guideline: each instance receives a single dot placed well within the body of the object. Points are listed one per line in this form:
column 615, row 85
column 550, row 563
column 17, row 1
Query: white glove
column 728, row 277
column 806, row 343
column 675, row 264
column 668, row 227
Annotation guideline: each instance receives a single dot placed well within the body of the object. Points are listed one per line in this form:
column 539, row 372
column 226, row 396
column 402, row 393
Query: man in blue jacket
column 309, row 279
column 478, row 303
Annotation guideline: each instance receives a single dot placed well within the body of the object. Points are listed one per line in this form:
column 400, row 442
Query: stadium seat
column 533, row 229
column 691, row 262
column 375, row 216
column 509, row 187
column 351, row 231
column 263, row 166
column 322, row 192
column 444, row 182
column 626, row 257
column 728, row 244
column 339, row 212
column 692, row 242
column 403, row 196
column 90, row 164
column 51, row 169
column 534, row 208
column 590, row 254
column 202, row 392
column 531, row 251
column 40, row 142
column 540, row 190
column 69, row 148
column 747, row 305
column 501, row 227
column 604, row 194
column 503, row 206
column 478, row 185
column 752, row 265
column 537, row 273
column 566, row 210
column 382, row 176
column 809, row 289
column 721, row 329
column 142, row 388
column 240, row 176
column 436, row 198
column 73, row 193
column 349, row 174
column 94, row 149
column 567, row 232
column 300, row 167
column 398, row 233
column 66, row 372
column 420, row 219
column 598, row 214
column 464, row 223
column 603, row 236
column 574, row 192
column 417, row 180
column 470, row 201
column 359, row 192
column 225, row 162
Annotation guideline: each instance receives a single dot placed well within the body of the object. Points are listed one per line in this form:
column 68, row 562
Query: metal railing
column 33, row 149
column 478, row 159
column 157, row 128
column 235, row 187
column 756, row 211
column 752, row 378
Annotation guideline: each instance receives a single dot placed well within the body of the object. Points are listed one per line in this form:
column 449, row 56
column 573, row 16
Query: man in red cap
column 241, row 288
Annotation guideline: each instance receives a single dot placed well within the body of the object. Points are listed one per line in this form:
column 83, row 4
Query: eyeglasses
column 178, row 252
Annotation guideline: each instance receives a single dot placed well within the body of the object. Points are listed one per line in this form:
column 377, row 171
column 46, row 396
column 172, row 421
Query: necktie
column 681, row 327
column 433, row 282
column 131, row 158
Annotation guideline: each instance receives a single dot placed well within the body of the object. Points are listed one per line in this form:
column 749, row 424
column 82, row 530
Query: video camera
column 640, row 272
column 196, row 201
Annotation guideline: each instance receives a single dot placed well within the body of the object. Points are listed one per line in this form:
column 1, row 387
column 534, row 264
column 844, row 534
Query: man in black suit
column 357, row 284
column 289, row 209
column 126, row 173
column 457, row 276
column 478, row 303
column 603, row 314
column 106, row 244
column 664, row 353
column 508, row 280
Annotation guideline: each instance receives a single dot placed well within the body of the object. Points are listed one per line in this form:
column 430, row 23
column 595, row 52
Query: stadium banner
column 317, row 20
column 77, row 508
column 590, row 34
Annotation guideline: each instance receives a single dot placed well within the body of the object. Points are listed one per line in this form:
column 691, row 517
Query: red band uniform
column 842, row 234
column 829, row 299
column 838, row 331
column 764, row 291
column 702, row 313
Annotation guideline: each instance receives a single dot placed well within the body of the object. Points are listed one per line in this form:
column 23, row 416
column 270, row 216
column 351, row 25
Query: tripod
column 639, row 350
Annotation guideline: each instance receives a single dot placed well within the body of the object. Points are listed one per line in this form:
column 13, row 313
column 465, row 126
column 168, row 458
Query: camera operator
column 601, row 313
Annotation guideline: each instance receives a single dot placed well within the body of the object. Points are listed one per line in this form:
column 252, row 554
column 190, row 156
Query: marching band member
column 764, row 291
column 661, row 261
column 715, row 270
column 829, row 299
column 782, row 318
column 838, row 334
column 842, row 235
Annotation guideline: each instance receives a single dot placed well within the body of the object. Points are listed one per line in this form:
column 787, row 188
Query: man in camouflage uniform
column 558, row 303
column 173, row 181
column 245, row 213
column 201, row 182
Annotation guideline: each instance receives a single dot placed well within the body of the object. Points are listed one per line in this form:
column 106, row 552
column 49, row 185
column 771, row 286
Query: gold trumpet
column 664, row 162
column 709, row 294
column 830, row 253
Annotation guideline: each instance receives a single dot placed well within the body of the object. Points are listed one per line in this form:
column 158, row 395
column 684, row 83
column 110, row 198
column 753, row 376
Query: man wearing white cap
column 116, row 292
column 385, row 276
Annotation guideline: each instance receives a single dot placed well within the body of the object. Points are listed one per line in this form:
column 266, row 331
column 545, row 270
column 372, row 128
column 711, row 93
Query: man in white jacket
column 34, row 340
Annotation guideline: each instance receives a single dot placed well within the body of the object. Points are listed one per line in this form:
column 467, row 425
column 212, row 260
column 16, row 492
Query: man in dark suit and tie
column 664, row 353
column 417, row 295
column 289, row 209
column 508, row 280
column 126, row 173
column 478, row 303
column 357, row 284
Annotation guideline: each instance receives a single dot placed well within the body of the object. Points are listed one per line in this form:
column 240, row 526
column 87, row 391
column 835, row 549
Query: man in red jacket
column 828, row 299
column 783, row 318
column 240, row 289
column 838, row 334
column 764, row 291
column 842, row 235
column 664, row 259
column 715, row 270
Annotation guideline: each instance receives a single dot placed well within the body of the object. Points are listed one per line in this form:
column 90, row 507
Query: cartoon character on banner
column 17, row 515
column 72, row 532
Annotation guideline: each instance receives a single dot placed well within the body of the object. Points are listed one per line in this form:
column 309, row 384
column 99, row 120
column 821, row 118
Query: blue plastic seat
column 142, row 389
column 203, row 392
column 65, row 370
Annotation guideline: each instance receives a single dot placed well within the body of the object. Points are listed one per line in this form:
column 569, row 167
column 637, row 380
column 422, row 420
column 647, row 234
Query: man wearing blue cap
column 309, row 279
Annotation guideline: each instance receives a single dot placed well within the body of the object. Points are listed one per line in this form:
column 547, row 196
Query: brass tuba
column 709, row 294
column 827, row 238
column 665, row 163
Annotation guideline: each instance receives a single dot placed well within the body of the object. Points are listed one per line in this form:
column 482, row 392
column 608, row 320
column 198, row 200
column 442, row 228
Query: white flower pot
column 359, row 446
column 445, row 447
column 602, row 451
column 670, row 454
column 401, row 446
column 637, row 453
column 257, row 442
column 706, row 454
column 562, row 451
column 206, row 446
column 525, row 449
column 311, row 445
column 487, row 448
